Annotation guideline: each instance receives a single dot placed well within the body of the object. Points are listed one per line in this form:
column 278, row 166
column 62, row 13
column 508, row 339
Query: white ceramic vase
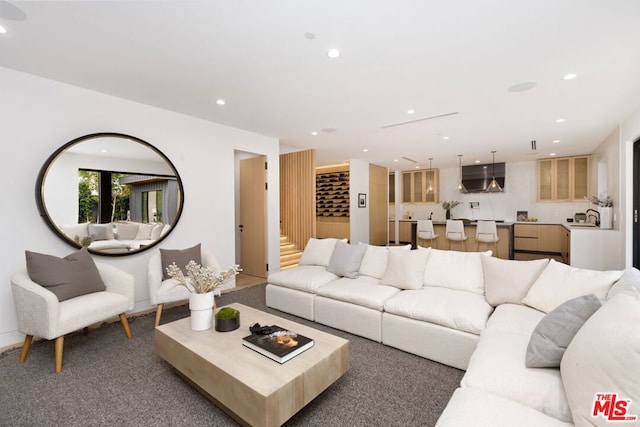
column 201, row 306
column 606, row 217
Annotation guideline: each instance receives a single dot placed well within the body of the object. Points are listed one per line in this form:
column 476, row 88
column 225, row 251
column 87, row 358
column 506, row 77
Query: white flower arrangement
column 201, row 280
column 602, row 200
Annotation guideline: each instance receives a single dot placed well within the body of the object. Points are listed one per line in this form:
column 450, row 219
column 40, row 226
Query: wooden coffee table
column 248, row 386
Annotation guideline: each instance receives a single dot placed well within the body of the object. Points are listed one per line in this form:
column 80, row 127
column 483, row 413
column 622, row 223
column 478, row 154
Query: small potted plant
column 227, row 319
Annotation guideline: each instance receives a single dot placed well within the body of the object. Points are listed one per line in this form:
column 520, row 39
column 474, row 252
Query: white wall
column 39, row 115
column 358, row 184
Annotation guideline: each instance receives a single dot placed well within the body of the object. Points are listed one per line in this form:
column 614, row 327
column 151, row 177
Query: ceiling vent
column 411, row 160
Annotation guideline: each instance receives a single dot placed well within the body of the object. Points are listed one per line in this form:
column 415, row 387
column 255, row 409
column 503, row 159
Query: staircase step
column 294, row 256
column 289, row 251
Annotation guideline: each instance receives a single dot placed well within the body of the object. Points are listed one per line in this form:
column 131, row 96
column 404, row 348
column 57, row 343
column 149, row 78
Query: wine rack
column 332, row 194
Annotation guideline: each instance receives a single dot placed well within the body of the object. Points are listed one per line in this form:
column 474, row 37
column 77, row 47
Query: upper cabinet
column 564, row 179
column 420, row 186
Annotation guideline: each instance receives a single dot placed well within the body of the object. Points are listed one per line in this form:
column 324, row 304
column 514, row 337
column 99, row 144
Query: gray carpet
column 108, row 380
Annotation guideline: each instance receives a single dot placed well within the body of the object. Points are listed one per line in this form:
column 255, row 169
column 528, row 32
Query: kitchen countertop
column 471, row 222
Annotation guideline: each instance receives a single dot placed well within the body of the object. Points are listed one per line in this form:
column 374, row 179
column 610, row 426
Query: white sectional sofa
column 488, row 316
column 115, row 237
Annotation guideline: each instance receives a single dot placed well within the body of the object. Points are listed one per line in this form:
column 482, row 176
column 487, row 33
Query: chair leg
column 25, row 347
column 158, row 313
column 59, row 345
column 125, row 325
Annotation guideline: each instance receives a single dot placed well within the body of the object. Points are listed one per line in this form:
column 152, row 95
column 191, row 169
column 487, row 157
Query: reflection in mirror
column 114, row 193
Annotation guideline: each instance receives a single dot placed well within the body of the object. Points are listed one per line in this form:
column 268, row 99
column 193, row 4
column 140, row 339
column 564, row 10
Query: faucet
column 597, row 217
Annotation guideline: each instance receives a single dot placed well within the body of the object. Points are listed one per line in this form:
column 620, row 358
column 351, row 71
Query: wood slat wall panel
column 298, row 196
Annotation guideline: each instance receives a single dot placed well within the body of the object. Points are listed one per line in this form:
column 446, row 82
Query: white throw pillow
column 126, row 231
column 455, row 270
column 155, row 232
column 144, row 231
column 559, row 283
column 604, row 358
column 508, row 281
column 79, row 230
column 630, row 279
column 318, row 251
column 405, row 269
column 374, row 262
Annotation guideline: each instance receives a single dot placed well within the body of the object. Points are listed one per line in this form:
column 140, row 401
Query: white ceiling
column 435, row 57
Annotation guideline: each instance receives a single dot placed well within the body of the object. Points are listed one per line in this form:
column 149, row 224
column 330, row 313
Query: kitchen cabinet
column 416, row 183
column 542, row 239
column 564, row 179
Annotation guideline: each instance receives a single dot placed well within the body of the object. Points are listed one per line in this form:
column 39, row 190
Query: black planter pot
column 226, row 325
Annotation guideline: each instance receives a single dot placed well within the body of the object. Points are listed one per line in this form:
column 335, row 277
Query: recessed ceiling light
column 445, row 137
column 477, row 161
column 521, row 87
column 3, row 30
column 552, row 154
column 221, row 101
column 314, row 133
column 570, row 76
column 559, row 120
column 103, row 151
column 417, row 167
column 395, row 160
column 555, row 141
column 365, row 150
column 333, row 53
column 411, row 111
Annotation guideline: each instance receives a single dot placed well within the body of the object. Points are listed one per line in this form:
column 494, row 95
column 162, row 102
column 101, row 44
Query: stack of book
column 280, row 345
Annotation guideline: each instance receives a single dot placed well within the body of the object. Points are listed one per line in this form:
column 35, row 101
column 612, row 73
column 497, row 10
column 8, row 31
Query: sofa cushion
column 307, row 278
column 559, row 282
column 555, row 331
column 101, row 231
column 516, row 318
column 345, row 260
column 155, row 232
column 455, row 270
column 318, row 251
column 374, row 262
column 144, row 231
column 126, row 231
column 630, row 279
column 604, row 358
column 68, row 277
column 508, row 281
column 497, row 366
column 461, row 310
column 364, row 291
column 471, row 407
column 181, row 257
column 405, row 269
column 76, row 231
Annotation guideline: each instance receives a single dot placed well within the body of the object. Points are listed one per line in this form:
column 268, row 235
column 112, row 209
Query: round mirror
column 113, row 193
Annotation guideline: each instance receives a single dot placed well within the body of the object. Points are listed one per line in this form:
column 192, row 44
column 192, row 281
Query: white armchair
column 41, row 314
column 162, row 292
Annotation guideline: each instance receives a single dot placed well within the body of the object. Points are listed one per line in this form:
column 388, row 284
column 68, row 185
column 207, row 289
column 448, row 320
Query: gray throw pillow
column 345, row 259
column 181, row 257
column 68, row 277
column 555, row 331
column 101, row 231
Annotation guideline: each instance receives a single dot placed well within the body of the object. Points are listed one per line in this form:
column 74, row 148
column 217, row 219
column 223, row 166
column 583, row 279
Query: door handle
column 241, row 227
column 635, row 215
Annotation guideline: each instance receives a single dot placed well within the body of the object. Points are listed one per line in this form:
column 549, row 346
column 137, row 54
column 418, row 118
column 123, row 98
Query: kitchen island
column 505, row 235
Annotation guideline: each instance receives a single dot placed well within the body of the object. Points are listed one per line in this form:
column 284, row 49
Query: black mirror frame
column 44, row 214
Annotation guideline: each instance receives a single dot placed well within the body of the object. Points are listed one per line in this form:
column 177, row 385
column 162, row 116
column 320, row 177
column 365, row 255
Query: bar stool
column 487, row 232
column 425, row 231
column 454, row 231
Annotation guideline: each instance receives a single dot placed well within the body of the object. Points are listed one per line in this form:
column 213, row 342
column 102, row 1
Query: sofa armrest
column 154, row 276
column 117, row 281
column 37, row 308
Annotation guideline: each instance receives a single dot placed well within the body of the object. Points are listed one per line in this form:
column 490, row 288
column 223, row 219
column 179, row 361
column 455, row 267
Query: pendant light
column 493, row 187
column 430, row 187
column 461, row 187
